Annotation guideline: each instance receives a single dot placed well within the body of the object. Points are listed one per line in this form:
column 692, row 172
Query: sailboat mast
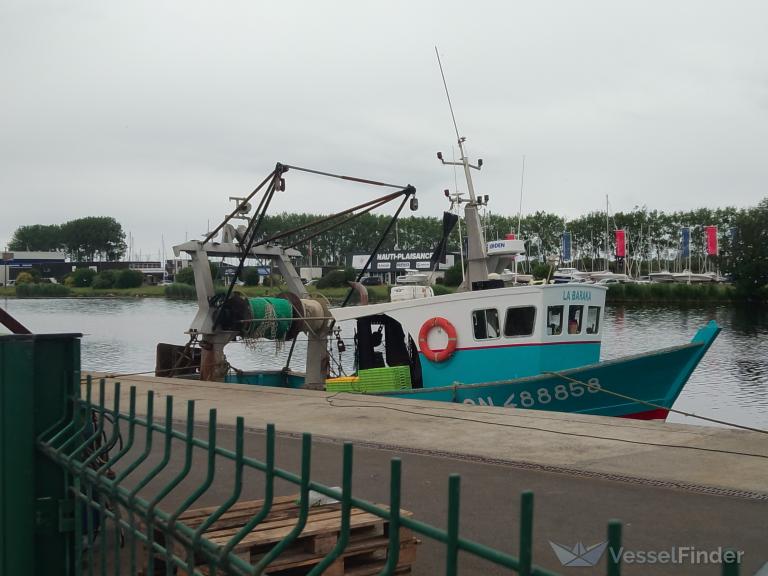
column 606, row 233
column 689, row 255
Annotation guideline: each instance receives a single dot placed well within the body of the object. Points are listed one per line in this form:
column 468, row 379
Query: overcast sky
column 156, row 112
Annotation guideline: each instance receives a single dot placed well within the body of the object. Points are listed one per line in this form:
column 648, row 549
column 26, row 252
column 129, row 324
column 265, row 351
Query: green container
column 375, row 380
column 385, row 379
column 39, row 374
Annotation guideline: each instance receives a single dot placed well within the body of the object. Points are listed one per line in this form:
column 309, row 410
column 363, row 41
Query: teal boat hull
column 643, row 386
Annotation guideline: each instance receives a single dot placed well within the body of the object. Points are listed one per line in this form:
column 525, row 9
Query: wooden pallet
column 365, row 554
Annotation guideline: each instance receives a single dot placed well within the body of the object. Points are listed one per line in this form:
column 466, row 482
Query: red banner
column 712, row 246
column 621, row 247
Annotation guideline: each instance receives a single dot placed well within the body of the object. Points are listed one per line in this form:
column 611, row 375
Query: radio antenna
column 447, row 95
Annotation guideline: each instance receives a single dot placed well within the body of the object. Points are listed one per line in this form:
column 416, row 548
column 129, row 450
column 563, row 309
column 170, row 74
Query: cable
column 543, row 415
column 342, row 177
column 567, row 378
column 331, row 399
column 652, row 405
column 113, row 376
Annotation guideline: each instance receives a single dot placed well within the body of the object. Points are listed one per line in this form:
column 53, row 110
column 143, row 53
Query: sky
column 156, row 112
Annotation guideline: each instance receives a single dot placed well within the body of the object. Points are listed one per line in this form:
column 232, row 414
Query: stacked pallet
column 365, row 553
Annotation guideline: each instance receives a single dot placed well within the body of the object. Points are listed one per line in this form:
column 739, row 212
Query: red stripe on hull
column 657, row 414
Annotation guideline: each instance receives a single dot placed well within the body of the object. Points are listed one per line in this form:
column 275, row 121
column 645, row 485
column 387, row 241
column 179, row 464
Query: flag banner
column 685, row 242
column 566, row 246
column 621, row 244
column 449, row 221
column 712, row 246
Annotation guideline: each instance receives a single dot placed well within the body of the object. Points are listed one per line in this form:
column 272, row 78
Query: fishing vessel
column 533, row 347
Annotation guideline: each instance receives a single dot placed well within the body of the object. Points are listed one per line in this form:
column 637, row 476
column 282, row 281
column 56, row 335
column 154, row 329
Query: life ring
column 437, row 355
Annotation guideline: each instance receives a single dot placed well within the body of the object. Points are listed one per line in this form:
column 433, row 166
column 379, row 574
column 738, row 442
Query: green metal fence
column 81, row 466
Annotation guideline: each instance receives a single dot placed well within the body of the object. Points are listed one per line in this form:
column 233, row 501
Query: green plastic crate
column 373, row 380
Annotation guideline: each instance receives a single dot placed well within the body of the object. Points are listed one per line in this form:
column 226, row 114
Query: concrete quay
column 672, row 485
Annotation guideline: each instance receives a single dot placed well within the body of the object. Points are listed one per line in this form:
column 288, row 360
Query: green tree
column 453, row 275
column 749, row 264
column 82, row 277
column 542, row 271
column 92, row 237
column 187, row 275
column 25, row 278
column 251, row 276
column 104, row 280
column 336, row 278
column 357, row 236
column 37, row 237
column 548, row 228
column 129, row 279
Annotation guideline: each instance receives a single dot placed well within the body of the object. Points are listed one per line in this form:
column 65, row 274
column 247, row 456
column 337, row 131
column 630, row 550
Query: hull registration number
column 540, row 396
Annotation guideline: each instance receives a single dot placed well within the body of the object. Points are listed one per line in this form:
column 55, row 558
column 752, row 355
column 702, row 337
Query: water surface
column 731, row 383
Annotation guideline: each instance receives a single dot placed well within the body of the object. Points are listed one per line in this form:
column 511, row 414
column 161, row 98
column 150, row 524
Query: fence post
column 731, row 563
column 38, row 373
column 614, row 547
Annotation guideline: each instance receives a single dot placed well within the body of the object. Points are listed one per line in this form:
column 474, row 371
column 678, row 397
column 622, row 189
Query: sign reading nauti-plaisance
column 400, row 260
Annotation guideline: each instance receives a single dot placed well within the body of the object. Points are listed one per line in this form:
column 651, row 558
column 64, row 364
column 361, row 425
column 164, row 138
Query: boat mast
column 520, row 209
column 650, row 254
column 456, row 198
column 477, row 268
column 689, row 254
column 520, row 214
column 606, row 233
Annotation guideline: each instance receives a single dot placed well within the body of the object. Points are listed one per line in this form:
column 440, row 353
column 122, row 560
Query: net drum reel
column 277, row 318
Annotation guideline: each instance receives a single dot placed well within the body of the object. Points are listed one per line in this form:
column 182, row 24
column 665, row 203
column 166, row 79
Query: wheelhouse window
column 520, row 321
column 485, row 323
column 555, row 320
column 593, row 320
column 575, row 317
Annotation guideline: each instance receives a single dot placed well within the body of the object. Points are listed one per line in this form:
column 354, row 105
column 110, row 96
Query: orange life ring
column 437, row 355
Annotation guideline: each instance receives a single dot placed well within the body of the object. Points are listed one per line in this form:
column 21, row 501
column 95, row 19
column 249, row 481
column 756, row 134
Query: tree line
column 652, row 236
column 651, row 233
column 89, row 238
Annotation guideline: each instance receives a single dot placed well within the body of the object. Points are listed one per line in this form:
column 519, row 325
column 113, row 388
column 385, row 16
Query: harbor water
column 731, row 383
